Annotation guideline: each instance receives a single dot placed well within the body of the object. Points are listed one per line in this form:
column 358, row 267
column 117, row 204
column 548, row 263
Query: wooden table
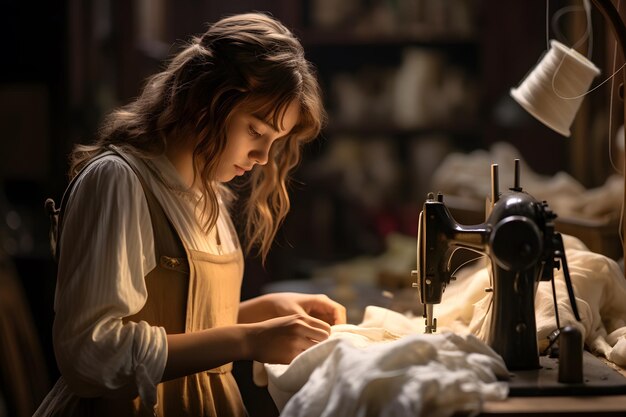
column 548, row 406
column 608, row 405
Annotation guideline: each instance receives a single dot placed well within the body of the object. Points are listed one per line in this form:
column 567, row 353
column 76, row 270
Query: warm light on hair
column 241, row 60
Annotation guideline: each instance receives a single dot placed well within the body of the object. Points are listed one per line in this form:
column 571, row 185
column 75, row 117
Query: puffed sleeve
column 107, row 248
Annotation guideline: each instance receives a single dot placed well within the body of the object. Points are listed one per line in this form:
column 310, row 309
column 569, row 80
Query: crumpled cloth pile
column 386, row 366
column 469, row 175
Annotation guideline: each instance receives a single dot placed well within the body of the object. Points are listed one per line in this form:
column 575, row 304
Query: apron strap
column 168, row 244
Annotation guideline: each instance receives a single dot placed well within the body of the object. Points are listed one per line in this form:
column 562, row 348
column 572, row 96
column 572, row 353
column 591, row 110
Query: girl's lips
column 240, row 170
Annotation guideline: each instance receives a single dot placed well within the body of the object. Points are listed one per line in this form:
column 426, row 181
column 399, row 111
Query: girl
column 148, row 318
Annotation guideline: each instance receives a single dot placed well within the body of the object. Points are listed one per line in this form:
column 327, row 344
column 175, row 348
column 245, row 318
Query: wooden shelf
column 315, row 38
column 451, row 127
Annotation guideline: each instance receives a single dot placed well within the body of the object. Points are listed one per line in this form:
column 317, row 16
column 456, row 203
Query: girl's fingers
column 314, row 329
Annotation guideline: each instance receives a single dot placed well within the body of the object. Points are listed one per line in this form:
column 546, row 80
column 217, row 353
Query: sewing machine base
column 598, row 377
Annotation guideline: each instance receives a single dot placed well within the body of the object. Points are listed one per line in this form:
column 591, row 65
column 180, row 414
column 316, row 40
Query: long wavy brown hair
column 246, row 61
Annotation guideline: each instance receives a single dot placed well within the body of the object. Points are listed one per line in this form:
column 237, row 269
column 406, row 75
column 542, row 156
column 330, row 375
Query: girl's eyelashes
column 253, row 131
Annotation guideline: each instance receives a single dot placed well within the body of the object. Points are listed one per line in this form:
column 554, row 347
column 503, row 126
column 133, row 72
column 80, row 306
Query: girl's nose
column 260, row 155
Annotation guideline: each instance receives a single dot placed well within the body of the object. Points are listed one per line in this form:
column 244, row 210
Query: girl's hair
column 243, row 62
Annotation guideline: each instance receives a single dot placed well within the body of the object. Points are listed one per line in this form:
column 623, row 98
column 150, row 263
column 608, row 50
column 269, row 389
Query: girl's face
column 249, row 139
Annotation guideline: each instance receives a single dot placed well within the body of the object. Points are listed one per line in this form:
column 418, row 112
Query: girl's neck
column 181, row 157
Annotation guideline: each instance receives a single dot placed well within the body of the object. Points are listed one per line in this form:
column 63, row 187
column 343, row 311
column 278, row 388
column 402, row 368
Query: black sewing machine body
column 519, row 239
column 517, row 236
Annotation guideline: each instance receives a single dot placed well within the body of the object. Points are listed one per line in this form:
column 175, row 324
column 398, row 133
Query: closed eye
column 253, row 131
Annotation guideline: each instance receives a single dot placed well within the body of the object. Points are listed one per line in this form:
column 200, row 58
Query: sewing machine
column 519, row 238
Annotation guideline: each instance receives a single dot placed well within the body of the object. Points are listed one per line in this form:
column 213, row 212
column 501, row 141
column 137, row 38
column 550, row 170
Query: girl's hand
column 277, row 340
column 281, row 339
column 316, row 305
column 288, row 303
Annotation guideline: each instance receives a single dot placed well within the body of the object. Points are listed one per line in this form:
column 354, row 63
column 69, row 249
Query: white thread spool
column 554, row 89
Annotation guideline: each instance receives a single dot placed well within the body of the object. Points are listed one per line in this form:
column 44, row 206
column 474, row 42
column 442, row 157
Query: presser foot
column 430, row 325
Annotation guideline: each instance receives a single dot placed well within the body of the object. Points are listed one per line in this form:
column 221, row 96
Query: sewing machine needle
column 431, row 323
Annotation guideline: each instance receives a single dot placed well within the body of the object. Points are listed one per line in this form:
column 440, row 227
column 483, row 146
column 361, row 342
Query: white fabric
column 383, row 367
column 107, row 248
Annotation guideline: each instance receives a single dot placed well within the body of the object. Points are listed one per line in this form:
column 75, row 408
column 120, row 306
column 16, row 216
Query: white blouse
column 107, row 248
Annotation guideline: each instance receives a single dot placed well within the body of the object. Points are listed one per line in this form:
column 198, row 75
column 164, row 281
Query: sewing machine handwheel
column 516, row 243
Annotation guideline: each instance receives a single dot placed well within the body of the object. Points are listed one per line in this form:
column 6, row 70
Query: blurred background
column 417, row 93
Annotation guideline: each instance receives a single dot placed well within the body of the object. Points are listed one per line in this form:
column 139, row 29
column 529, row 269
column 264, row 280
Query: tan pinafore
column 188, row 291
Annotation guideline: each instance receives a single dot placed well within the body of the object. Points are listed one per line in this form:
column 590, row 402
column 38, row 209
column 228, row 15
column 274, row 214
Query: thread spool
column 553, row 91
